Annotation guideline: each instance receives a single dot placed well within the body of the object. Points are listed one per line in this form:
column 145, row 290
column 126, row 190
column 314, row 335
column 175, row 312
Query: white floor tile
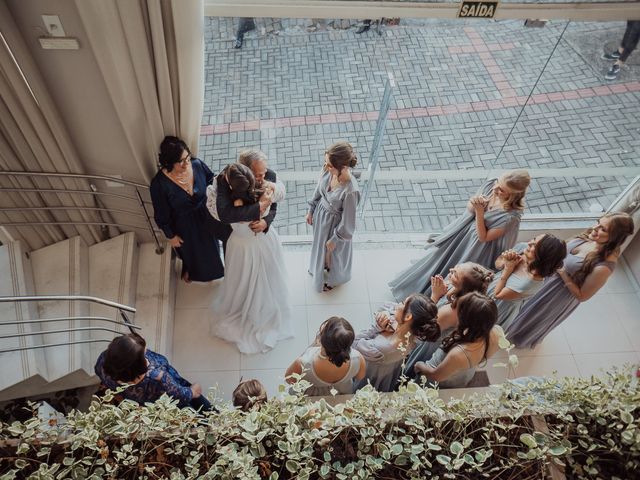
column 564, row 365
column 358, row 315
column 627, row 308
column 297, row 264
column 195, row 349
column 354, row 291
column 594, row 363
column 382, row 266
column 219, row 384
column 555, row 343
column 196, row 294
column 286, row 351
column 595, row 328
column 618, row 282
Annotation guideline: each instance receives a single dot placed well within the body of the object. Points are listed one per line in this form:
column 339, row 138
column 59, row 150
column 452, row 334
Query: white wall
column 632, row 256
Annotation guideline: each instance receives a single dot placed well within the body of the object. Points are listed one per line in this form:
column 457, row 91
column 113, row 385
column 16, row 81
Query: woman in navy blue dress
column 179, row 195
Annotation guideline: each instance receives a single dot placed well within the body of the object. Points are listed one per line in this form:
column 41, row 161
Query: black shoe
column 363, row 28
column 613, row 72
column 615, row 55
column 237, row 43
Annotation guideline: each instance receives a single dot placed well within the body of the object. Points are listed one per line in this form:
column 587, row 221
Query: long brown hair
column 476, row 279
column 477, row 314
column 620, row 227
column 341, row 156
column 242, row 183
column 518, row 181
column 249, row 394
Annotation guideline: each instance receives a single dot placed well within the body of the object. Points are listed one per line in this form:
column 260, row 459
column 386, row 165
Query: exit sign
column 477, row 9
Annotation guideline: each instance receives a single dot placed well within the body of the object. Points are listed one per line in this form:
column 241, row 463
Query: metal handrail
column 80, row 176
column 92, row 191
column 64, row 330
column 100, row 209
column 54, row 298
column 64, row 319
column 47, row 345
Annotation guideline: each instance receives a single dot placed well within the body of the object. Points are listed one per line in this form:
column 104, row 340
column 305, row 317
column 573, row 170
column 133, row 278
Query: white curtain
column 33, row 138
column 151, row 55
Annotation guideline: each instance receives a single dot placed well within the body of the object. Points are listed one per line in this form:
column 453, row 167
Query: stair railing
column 142, row 210
column 122, row 309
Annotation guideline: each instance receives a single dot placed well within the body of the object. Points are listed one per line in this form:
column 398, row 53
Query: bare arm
column 594, row 282
column 295, row 367
column 484, row 235
column 362, row 372
column 509, row 267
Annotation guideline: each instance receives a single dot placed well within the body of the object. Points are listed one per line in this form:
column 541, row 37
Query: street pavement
column 470, row 96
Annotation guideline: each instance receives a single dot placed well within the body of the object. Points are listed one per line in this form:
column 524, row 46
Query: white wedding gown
column 251, row 308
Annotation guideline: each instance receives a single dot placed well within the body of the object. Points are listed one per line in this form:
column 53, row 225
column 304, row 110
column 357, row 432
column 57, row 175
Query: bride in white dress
column 252, row 306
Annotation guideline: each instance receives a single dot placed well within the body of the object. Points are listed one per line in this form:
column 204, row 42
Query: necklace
column 184, row 180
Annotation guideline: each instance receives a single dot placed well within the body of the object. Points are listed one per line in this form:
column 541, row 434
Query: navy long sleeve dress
column 178, row 213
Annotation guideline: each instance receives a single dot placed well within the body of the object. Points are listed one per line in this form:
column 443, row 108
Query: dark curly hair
column 424, row 315
column 477, row 314
column 549, row 255
column 171, row 150
column 124, row 358
column 336, row 337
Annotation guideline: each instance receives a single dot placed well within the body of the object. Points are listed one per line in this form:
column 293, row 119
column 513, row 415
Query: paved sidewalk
column 460, row 88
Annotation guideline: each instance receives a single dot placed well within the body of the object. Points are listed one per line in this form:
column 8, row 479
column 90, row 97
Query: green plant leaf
column 443, row 459
column 528, row 440
column 456, row 448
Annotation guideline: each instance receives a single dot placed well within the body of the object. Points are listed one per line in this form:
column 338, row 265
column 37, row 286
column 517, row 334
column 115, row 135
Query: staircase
column 118, row 270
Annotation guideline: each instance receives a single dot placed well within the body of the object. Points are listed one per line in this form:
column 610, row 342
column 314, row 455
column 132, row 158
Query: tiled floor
column 604, row 331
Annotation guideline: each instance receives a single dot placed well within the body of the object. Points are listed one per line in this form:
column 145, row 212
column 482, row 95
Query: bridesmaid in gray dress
column 332, row 213
column 392, row 337
column 462, row 279
column 521, row 273
column 590, row 260
column 473, row 342
column 488, row 227
column 330, row 363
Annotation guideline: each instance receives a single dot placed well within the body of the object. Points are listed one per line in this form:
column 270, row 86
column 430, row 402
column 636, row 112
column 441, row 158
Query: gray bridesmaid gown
column 384, row 360
column 550, row 306
column 334, row 218
column 460, row 379
column 318, row 386
column 457, row 244
column 525, row 286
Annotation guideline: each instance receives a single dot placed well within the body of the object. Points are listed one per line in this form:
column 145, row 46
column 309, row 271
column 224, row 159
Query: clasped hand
column 385, row 322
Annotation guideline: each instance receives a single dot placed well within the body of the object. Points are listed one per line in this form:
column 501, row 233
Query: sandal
column 326, row 288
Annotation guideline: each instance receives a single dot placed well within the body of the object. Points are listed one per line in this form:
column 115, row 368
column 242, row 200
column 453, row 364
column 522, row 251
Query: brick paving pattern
column 460, row 88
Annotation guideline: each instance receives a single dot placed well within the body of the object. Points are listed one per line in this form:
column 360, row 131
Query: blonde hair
column 518, row 181
column 249, row 155
column 249, row 394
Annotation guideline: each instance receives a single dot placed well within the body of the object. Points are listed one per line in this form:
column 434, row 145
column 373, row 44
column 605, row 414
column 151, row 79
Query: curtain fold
column 151, row 55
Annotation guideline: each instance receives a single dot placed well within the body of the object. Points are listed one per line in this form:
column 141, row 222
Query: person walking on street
column 629, row 43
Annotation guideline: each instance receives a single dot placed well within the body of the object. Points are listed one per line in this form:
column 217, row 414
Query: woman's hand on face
column 331, row 246
column 510, row 255
column 384, row 321
column 438, row 286
column 309, row 218
column 176, row 241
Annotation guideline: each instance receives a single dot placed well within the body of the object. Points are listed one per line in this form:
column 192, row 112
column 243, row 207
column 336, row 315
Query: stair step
column 156, row 298
column 113, row 270
column 63, row 269
column 17, row 280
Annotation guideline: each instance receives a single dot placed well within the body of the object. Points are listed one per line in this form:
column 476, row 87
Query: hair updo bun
column 424, row 315
column 336, row 338
column 341, row 155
